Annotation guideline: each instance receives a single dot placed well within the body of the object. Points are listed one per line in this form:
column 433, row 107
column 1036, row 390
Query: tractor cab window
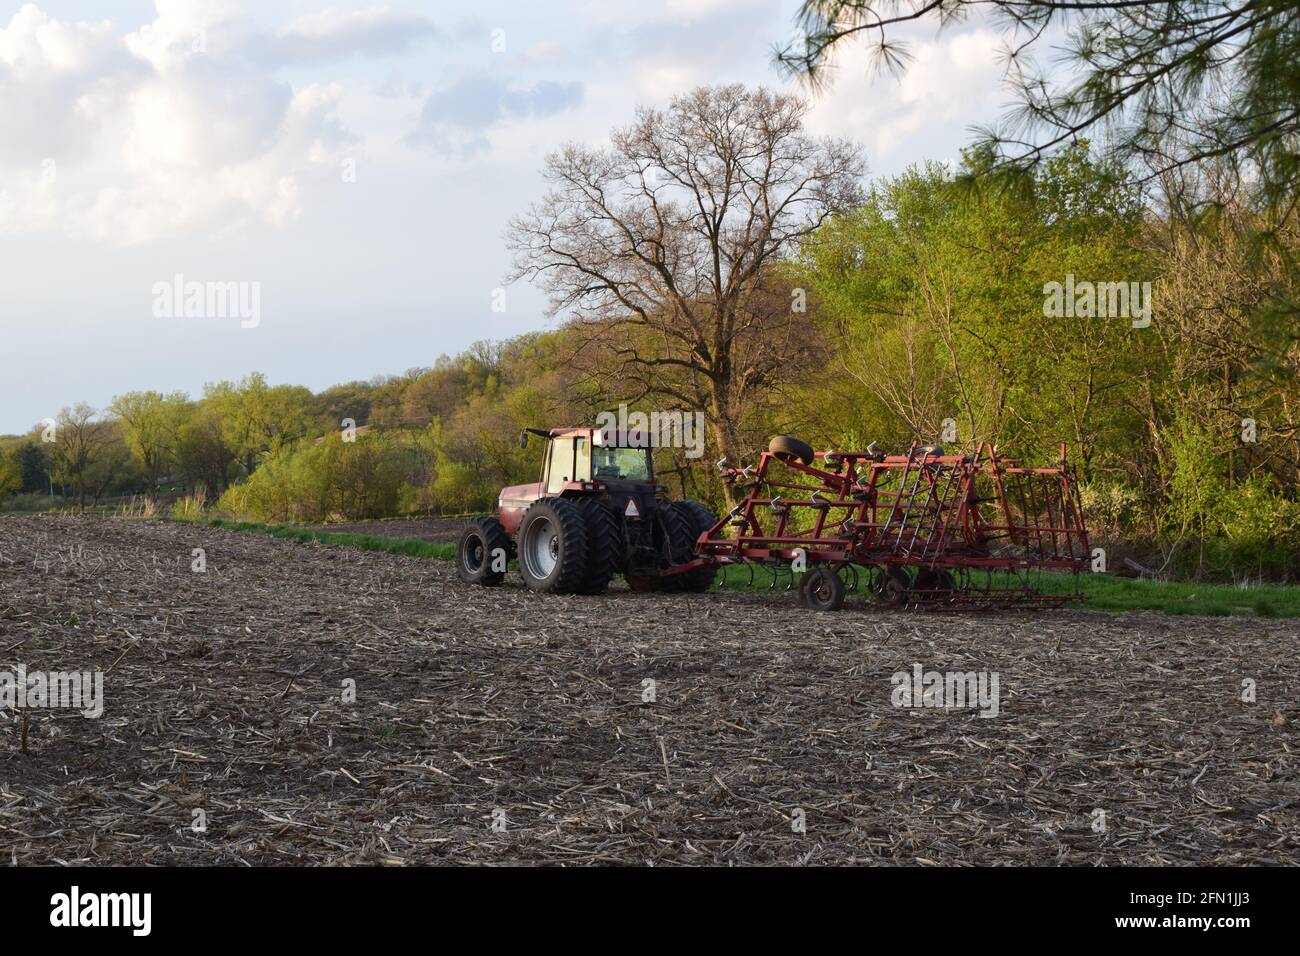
column 620, row 464
column 581, row 460
column 559, row 461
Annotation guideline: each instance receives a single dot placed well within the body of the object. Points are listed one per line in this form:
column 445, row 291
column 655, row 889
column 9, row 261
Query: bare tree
column 665, row 246
column 80, row 440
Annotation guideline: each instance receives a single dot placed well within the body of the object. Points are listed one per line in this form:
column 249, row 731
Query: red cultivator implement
column 923, row 529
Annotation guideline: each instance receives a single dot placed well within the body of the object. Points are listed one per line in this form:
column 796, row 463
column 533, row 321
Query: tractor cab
column 591, row 457
column 582, row 462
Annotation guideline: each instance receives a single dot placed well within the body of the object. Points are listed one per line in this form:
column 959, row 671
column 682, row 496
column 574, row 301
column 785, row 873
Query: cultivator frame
column 925, row 526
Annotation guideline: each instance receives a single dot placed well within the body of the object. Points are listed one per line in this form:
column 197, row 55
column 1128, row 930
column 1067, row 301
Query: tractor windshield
column 620, row 464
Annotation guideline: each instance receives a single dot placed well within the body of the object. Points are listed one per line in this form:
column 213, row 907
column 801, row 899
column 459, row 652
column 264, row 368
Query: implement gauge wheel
column 822, row 590
column 933, row 586
column 895, row 587
column 789, row 448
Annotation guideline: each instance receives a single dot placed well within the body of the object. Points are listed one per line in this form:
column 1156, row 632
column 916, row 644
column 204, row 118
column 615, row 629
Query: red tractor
column 596, row 512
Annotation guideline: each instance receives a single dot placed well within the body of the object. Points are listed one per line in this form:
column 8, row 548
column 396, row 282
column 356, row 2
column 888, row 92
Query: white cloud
column 692, row 9
column 949, row 81
column 629, row 14
column 545, row 53
column 54, row 80
column 376, row 30
column 166, row 130
column 659, row 78
column 180, row 29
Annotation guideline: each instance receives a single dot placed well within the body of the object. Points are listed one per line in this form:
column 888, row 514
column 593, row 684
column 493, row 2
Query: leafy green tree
column 150, row 421
column 351, row 400
column 202, row 454
column 11, row 474
column 115, row 468
column 35, row 467
column 315, row 481
column 258, row 418
column 935, row 300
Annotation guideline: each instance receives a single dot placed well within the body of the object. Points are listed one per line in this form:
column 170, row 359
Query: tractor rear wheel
column 552, row 544
column 604, row 544
column 643, row 583
column 482, row 551
column 685, row 521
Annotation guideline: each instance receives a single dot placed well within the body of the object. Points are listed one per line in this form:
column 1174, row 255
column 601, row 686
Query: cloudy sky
column 358, row 161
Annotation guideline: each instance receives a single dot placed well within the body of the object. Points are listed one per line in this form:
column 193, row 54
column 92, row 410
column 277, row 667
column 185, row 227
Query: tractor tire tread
column 572, row 560
column 686, row 521
column 492, row 533
column 604, row 540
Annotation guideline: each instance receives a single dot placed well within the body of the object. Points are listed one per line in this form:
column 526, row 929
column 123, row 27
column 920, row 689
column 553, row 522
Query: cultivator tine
column 853, row 571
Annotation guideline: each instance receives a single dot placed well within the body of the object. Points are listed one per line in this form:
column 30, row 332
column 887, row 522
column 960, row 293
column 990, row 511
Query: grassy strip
column 1107, row 593
column 1104, row 592
column 410, row 547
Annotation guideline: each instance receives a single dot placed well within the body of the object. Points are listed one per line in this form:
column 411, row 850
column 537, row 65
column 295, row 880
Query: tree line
column 715, row 257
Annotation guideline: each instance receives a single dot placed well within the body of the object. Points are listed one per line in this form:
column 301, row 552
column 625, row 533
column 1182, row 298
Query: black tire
column 787, row 447
column 644, row 583
column 822, row 590
column 895, row 587
column 680, row 545
column 690, row 519
column 482, row 542
column 552, row 546
column 701, row 516
column 933, row 586
column 604, row 544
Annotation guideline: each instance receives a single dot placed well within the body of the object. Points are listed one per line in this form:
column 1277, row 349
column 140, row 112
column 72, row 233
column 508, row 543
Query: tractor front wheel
column 553, row 546
column 482, row 551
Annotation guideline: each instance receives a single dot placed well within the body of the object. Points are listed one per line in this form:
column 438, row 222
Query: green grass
column 1107, row 593
column 410, row 547
column 1104, row 592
